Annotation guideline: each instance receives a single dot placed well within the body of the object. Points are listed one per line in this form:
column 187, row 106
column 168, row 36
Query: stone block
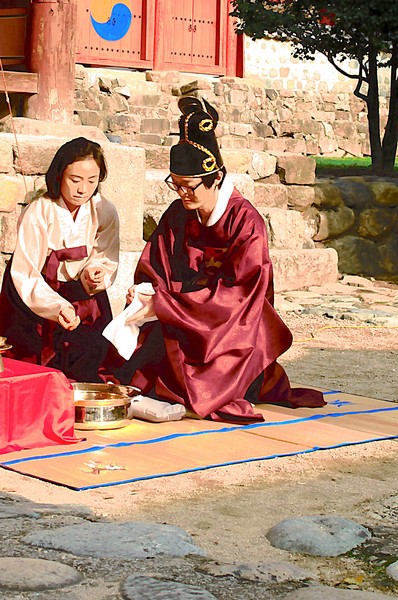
column 34, row 127
column 357, row 256
column 388, row 254
column 296, row 146
column 244, row 183
column 90, row 117
column 124, row 186
column 327, row 144
column 242, row 129
column 302, row 268
column 333, row 223
column 271, row 195
column 275, row 145
column 36, row 153
column 123, row 90
column 157, row 157
column 157, row 193
column 344, row 129
column 327, row 195
column 149, row 138
column 159, row 126
column 194, row 86
column 124, row 123
column 147, row 100
column 299, row 196
column 8, row 230
column 6, row 157
column 350, row 146
column 237, row 161
column 124, row 279
column 263, row 130
column 287, row 228
column 12, row 192
column 158, row 76
column 262, row 165
column 385, row 192
column 296, row 169
column 233, row 142
column 113, row 105
column 376, row 222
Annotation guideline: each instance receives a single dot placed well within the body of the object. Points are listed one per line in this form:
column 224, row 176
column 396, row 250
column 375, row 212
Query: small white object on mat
column 124, row 335
column 156, row 411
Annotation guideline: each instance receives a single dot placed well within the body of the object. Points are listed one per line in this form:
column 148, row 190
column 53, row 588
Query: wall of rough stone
column 273, row 62
column 139, row 107
column 280, row 187
column 358, row 217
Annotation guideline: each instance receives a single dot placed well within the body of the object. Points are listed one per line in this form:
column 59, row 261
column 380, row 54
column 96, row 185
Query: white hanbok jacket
column 47, row 225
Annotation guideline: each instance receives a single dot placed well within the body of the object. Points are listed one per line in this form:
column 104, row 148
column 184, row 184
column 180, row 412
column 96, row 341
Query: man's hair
column 208, row 180
column 76, row 149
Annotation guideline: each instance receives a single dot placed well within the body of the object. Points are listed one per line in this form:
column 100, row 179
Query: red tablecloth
column 36, row 407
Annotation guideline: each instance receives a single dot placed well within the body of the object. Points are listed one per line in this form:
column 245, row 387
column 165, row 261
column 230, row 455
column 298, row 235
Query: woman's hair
column 208, row 180
column 77, row 149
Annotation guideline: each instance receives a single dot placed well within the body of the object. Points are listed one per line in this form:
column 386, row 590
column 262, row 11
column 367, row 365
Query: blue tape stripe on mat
column 224, row 464
column 197, row 433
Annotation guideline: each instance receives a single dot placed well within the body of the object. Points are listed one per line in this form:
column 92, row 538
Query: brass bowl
column 101, row 406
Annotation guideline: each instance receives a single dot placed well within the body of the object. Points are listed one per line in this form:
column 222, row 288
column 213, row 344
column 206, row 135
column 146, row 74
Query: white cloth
column 47, row 225
column 124, row 335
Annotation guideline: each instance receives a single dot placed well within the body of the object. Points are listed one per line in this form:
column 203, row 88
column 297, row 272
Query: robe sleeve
column 105, row 250
column 227, row 318
column 29, row 259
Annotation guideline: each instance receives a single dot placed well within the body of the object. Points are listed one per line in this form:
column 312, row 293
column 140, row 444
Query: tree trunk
column 390, row 140
column 373, row 104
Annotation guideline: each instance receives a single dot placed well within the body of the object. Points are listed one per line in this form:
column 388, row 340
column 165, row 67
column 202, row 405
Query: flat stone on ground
column 104, row 540
column 317, row 535
column 31, row 574
column 139, row 587
column 330, row 593
column 270, row 572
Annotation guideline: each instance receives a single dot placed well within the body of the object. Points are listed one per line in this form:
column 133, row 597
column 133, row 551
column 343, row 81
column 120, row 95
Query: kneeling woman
column 53, row 302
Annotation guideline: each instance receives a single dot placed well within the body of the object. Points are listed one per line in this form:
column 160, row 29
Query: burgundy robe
column 218, row 336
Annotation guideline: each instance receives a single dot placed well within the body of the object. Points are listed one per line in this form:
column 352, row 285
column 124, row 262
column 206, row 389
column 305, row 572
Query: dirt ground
column 229, row 510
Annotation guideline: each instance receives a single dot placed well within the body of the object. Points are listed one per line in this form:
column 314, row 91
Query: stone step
column 292, row 271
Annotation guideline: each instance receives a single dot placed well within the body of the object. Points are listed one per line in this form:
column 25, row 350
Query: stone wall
column 137, row 108
column 358, row 217
column 273, row 62
column 280, row 187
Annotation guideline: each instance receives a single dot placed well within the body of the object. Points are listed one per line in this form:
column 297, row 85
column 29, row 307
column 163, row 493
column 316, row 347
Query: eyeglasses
column 185, row 189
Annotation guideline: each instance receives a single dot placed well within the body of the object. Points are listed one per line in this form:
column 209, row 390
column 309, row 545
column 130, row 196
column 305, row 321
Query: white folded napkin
column 124, row 335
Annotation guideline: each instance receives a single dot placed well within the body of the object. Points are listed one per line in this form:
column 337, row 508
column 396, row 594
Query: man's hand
column 130, row 294
column 94, row 277
column 68, row 319
column 147, row 311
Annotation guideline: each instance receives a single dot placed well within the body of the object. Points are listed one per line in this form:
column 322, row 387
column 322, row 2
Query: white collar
column 220, row 207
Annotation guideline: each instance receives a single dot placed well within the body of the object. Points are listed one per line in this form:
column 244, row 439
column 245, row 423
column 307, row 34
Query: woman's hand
column 147, row 311
column 68, row 319
column 94, row 277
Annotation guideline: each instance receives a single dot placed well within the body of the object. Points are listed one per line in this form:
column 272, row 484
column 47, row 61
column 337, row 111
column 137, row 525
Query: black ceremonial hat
column 197, row 153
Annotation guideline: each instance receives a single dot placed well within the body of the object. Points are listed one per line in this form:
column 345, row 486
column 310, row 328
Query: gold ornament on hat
column 206, row 125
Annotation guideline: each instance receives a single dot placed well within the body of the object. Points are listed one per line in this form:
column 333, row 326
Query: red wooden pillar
column 52, row 56
column 235, row 48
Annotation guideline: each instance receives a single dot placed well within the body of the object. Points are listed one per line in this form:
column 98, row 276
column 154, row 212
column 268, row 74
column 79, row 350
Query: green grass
column 341, row 165
column 327, row 161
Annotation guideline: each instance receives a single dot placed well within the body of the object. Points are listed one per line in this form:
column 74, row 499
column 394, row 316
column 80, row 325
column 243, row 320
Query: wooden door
column 112, row 33
column 12, row 35
column 191, row 35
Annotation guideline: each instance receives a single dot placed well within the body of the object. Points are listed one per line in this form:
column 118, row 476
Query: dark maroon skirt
column 77, row 353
